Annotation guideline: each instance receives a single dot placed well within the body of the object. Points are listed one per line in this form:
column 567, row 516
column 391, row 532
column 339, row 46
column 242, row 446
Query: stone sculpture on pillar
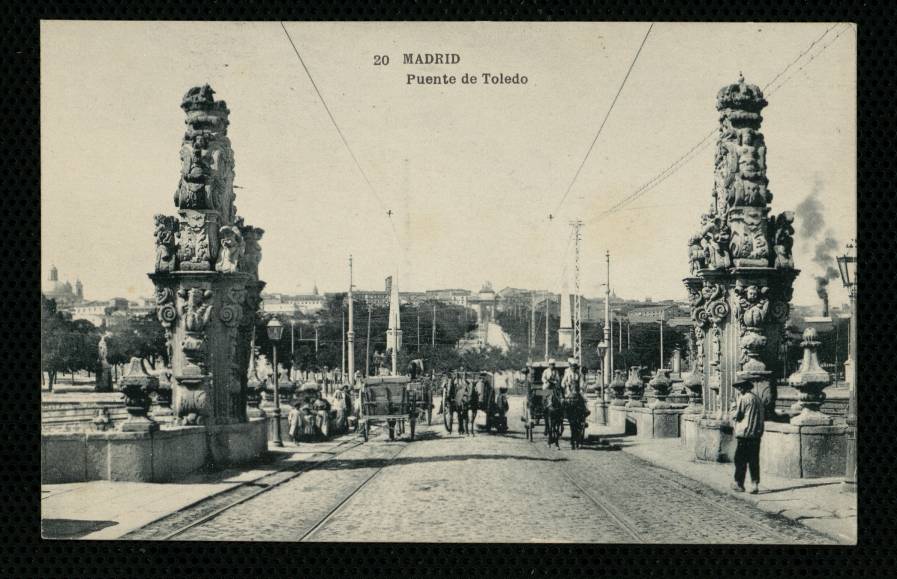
column 809, row 381
column 741, row 267
column 206, row 273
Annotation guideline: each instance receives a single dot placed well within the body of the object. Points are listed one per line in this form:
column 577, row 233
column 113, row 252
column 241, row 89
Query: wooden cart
column 388, row 400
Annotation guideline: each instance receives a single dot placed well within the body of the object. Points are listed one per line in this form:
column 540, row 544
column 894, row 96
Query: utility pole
column 620, row 345
column 608, row 333
column 433, row 338
column 577, row 300
column 418, row 328
column 661, row 338
column 547, row 304
column 532, row 325
column 342, row 366
column 367, row 347
column 351, row 334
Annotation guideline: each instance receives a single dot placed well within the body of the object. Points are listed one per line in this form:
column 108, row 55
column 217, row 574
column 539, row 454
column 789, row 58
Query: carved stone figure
column 696, row 257
column 166, row 246
column 783, row 240
column 715, row 236
column 748, row 245
column 252, row 251
column 194, row 251
column 754, row 306
column 232, row 248
column 196, row 309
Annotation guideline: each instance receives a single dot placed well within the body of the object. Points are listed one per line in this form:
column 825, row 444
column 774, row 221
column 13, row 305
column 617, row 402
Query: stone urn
column 809, row 381
column 635, row 387
column 137, row 386
column 618, row 388
column 660, row 384
column 694, row 383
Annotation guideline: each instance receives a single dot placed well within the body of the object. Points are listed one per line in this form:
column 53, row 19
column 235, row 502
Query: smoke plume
column 812, row 230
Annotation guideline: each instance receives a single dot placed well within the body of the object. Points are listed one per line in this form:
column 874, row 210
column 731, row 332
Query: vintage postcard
column 449, row 282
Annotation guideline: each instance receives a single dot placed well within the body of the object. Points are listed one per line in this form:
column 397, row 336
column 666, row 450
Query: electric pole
column 608, row 333
column 367, row 346
column 547, row 304
column 532, row 325
column 351, row 333
column 433, row 338
column 577, row 300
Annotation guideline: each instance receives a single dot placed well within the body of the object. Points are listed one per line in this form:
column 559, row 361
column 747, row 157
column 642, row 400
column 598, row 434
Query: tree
column 66, row 345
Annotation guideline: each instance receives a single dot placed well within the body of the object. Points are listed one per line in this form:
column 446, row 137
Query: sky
column 470, row 173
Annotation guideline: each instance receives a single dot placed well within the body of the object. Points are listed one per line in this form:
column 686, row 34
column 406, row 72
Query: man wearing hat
column 550, row 377
column 747, row 416
column 570, row 381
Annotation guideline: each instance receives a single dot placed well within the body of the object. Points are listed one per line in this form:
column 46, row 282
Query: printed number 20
column 381, row 59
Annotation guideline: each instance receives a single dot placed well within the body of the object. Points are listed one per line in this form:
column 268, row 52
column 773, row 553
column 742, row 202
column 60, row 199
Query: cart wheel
column 448, row 419
column 412, row 428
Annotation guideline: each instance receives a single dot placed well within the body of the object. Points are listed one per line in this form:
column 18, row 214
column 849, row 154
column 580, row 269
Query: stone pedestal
column 688, row 428
column 656, row 422
column 794, row 451
column 616, row 418
column 599, row 412
column 714, row 440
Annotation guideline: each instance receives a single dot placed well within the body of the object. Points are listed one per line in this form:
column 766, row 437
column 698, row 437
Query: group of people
column 568, row 386
column 314, row 417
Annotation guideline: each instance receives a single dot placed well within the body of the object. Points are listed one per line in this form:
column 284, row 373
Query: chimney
column 825, row 305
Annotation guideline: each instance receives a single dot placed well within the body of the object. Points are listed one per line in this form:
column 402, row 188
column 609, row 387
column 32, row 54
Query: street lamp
column 847, row 266
column 275, row 331
column 602, row 348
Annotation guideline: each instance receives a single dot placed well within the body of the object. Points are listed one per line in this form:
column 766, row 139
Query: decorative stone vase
column 694, row 383
column 635, row 388
column 809, row 381
column 253, row 399
column 618, row 388
column 137, row 386
column 661, row 385
column 162, row 411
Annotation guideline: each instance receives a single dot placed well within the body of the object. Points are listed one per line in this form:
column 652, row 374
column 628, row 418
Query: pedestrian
column 747, row 415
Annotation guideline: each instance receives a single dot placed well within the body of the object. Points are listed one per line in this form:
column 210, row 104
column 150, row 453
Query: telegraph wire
column 339, row 131
column 684, row 159
column 606, row 116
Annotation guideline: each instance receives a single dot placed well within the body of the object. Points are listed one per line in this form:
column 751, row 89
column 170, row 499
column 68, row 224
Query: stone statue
column 783, row 240
column 696, row 257
column 166, row 249
column 252, row 251
column 194, row 245
column 232, row 248
column 196, row 309
column 754, row 306
column 715, row 236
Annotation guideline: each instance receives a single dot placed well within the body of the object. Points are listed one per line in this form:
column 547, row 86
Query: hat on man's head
column 572, row 362
column 551, row 362
column 744, row 380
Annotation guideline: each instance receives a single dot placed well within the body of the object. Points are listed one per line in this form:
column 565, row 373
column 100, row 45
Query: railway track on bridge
column 196, row 514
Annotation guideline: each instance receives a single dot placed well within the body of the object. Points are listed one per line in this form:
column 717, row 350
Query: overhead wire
column 690, row 154
column 603, row 122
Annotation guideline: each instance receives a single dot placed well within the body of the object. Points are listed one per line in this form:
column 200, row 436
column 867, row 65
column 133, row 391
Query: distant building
column 101, row 313
column 653, row 314
column 457, row 297
column 63, row 293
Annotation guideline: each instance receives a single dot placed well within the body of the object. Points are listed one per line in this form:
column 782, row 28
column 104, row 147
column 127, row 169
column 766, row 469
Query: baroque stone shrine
column 741, row 274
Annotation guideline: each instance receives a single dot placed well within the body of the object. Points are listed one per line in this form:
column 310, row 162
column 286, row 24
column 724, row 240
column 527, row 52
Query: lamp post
column 275, row 330
column 602, row 348
column 847, row 266
column 292, row 348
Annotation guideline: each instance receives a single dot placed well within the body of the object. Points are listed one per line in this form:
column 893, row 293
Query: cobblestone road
column 494, row 488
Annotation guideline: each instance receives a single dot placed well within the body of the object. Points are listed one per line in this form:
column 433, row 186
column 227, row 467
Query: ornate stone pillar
column 741, row 267
column 206, row 274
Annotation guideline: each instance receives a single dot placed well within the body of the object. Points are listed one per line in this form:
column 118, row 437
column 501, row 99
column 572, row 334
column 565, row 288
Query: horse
column 554, row 417
column 576, row 411
column 461, row 405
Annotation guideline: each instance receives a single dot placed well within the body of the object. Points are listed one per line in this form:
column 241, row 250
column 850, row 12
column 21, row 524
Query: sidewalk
column 816, row 503
column 107, row 510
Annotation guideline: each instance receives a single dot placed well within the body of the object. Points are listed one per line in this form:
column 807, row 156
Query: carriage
column 422, row 393
column 534, row 409
column 390, row 400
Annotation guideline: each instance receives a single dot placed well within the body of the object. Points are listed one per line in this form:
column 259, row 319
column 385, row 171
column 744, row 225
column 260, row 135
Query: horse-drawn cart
column 422, row 393
column 390, row 400
column 534, row 410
